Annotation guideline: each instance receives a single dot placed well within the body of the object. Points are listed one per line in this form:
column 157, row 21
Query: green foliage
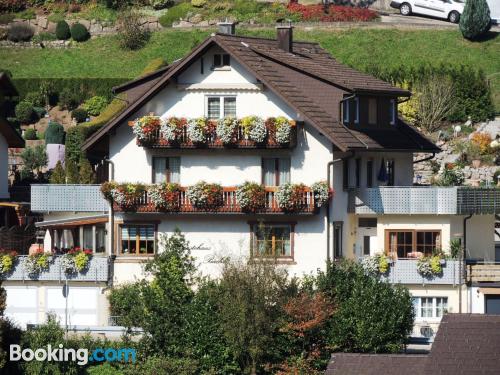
column 104, row 369
column 74, row 141
column 20, row 32
column 24, row 112
column 131, row 33
column 62, row 30
column 44, row 36
column 79, row 33
column 72, row 174
column 475, row 20
column 198, row 3
column 58, row 175
column 12, row 5
column 69, row 98
column 79, row 114
column 157, row 365
column 371, row 315
column 34, row 158
column 175, row 13
column 87, row 175
column 127, row 302
column 54, row 133
column 115, row 107
column 161, row 4
column 6, row 18
column 10, row 334
column 154, row 65
column 95, row 105
column 30, row 134
column 36, row 98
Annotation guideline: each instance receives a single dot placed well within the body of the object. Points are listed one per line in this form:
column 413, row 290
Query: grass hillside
column 361, row 48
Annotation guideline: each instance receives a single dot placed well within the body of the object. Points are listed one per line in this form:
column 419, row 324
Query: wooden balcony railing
column 230, row 205
column 155, row 140
column 483, row 272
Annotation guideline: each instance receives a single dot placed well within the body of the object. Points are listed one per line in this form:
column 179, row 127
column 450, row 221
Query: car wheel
column 405, row 9
column 454, row 17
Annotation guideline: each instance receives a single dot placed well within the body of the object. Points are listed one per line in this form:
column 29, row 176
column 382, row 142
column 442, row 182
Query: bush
column 30, row 134
column 6, row 18
column 20, row 32
column 198, row 3
column 12, row 5
column 95, row 105
column 153, row 66
column 87, row 175
column 79, row 33
column 3, row 33
column 74, row 141
column 24, row 112
column 62, row 30
column 58, row 175
column 44, row 37
column 69, row 99
column 132, row 35
column 34, row 158
column 79, row 114
column 36, row 98
column 175, row 13
column 54, row 133
column 111, row 111
column 161, row 4
column 475, row 20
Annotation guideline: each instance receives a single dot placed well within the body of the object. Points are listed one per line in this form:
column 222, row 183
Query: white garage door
column 82, row 305
column 22, row 302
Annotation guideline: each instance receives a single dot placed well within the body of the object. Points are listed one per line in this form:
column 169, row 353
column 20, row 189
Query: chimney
column 227, row 27
column 284, row 34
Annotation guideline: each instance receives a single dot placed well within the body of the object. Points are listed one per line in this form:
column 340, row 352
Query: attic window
column 393, row 111
column 222, row 60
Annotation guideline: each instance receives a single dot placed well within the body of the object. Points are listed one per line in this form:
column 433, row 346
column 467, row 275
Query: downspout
column 464, row 266
column 111, row 221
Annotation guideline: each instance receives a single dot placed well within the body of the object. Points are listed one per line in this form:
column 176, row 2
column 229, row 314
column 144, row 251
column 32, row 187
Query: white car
column 446, row 9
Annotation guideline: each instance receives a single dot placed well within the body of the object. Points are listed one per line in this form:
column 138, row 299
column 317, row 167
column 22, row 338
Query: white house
column 344, row 129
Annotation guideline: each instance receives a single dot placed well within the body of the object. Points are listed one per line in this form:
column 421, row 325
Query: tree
column 132, row 35
column 475, row 20
column 371, row 316
column 87, row 175
column 54, row 133
column 34, row 159
column 72, row 175
column 58, row 175
column 74, row 142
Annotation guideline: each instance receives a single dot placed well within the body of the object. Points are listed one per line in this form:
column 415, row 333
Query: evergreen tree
column 475, row 20
column 87, row 175
column 72, row 176
column 58, row 175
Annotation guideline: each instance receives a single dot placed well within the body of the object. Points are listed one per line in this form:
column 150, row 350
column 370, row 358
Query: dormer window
column 345, row 111
column 393, row 110
column 222, row 60
column 372, row 111
column 356, row 110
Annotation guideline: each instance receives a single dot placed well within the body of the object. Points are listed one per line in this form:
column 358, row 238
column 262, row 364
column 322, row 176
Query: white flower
column 495, row 143
column 226, row 129
column 196, row 130
column 424, row 267
column 370, row 265
column 283, row 130
column 68, row 263
column 258, row 131
column 321, row 193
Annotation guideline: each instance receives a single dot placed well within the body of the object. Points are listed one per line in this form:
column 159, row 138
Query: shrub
column 198, row 3
column 87, row 175
column 36, row 98
column 205, row 196
column 251, row 196
column 115, row 107
column 79, row 33
column 132, row 35
column 95, row 105
column 154, row 65
column 175, row 13
column 12, row 5
column 69, row 99
column 475, row 20
column 54, row 133
column 24, row 112
column 44, row 37
column 74, row 141
column 62, row 30
column 3, row 33
column 30, row 134
column 20, row 32
column 34, row 158
column 161, row 4
column 79, row 114
column 336, row 13
column 58, row 175
column 482, row 141
column 6, row 18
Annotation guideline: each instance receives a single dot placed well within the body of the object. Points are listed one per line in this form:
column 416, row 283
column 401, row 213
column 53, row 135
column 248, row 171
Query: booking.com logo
column 80, row 356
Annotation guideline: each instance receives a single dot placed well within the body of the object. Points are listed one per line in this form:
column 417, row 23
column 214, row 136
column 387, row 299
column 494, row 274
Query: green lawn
column 359, row 47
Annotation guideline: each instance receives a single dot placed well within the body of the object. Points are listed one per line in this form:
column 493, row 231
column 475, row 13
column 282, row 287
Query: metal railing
column 404, row 271
column 69, row 198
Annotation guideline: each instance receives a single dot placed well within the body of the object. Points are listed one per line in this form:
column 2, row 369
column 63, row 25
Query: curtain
column 159, row 167
column 284, row 169
column 175, row 169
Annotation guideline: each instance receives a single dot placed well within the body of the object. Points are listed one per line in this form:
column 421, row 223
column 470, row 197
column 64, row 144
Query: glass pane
column 415, row 302
column 217, row 60
column 284, row 168
column 346, row 111
column 159, row 166
column 226, row 60
column 269, row 174
column 230, row 107
column 213, row 108
column 87, row 237
column 100, row 239
column 372, row 111
column 175, row 170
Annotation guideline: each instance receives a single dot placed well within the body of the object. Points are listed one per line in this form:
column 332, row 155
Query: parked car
column 445, row 9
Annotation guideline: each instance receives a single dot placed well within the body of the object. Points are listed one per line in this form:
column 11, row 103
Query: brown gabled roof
column 10, row 134
column 465, row 344
column 306, row 80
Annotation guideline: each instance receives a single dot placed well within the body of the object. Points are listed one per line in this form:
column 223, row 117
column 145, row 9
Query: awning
column 73, row 221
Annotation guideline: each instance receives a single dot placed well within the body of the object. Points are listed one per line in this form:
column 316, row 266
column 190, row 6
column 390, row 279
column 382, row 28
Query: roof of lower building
column 464, row 344
column 305, row 80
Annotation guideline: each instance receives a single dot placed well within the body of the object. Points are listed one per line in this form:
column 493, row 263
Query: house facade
column 344, row 130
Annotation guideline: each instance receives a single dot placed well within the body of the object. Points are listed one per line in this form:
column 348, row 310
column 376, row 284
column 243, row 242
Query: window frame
column 222, row 105
column 388, row 250
column 136, row 253
column 338, row 227
column 168, row 171
column 356, row 110
column 392, row 111
column 358, row 172
column 346, row 112
column 372, row 105
column 287, row 258
column 390, row 167
column 222, row 64
column 276, row 170
column 369, row 173
column 345, row 174
column 417, row 307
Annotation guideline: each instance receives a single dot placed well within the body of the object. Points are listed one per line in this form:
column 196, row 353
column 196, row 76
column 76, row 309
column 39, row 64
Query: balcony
column 155, row 140
column 307, row 204
column 424, row 200
column 404, row 271
column 97, row 271
column 68, row 198
column 479, row 272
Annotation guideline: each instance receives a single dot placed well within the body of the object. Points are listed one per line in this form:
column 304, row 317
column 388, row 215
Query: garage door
column 22, row 305
column 82, row 305
column 492, row 304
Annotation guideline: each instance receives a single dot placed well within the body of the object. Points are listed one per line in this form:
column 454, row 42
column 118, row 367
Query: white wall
column 4, row 168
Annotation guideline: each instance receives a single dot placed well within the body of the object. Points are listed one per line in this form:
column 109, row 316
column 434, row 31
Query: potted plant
column 205, row 196
column 283, row 130
column 429, row 266
column 322, row 193
column 290, row 197
column 146, row 127
column 76, row 260
column 127, row 195
column 198, row 130
column 7, row 261
column 251, row 197
column 227, row 130
column 37, row 262
column 171, row 129
column 254, row 128
column 165, row 196
column 376, row 265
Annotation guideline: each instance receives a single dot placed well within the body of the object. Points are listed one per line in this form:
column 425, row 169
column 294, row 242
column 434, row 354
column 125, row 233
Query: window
column 390, row 172
column 337, row 239
column 137, row 239
column 345, row 111
column 403, row 242
column 345, row 174
column 369, row 173
column 221, row 106
column 393, row 111
column 272, row 240
column 358, row 173
column 166, row 169
column 430, row 307
column 367, row 222
column 275, row 171
column 221, row 60
column 356, row 110
column 372, row 111
column 366, row 245
column 90, row 236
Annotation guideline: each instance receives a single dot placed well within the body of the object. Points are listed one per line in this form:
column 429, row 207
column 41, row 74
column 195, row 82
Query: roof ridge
column 262, row 38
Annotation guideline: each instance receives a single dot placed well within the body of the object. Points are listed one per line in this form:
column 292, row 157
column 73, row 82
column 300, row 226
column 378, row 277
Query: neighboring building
column 347, row 132
column 465, row 344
